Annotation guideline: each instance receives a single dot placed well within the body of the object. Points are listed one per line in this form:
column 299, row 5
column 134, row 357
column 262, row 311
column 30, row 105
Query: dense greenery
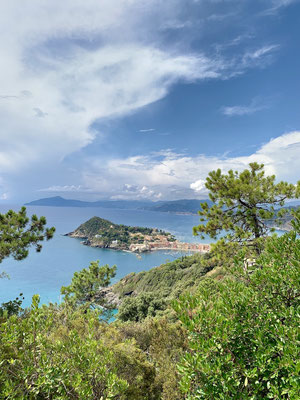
column 244, row 331
column 61, row 353
column 243, row 202
column 104, row 233
column 142, row 306
column 150, row 293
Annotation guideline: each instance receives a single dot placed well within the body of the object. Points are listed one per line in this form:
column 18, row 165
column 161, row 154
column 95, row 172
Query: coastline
column 137, row 249
column 147, row 246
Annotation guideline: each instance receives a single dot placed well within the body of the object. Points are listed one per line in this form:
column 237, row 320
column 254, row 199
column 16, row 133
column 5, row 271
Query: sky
column 140, row 99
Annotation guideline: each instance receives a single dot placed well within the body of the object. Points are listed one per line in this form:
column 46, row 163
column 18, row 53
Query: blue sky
column 141, row 99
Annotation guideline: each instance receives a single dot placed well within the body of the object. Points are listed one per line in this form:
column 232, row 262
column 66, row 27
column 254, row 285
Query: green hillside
column 152, row 291
column 99, row 232
column 170, row 278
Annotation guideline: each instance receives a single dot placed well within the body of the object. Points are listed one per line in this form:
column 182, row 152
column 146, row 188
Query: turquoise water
column 44, row 273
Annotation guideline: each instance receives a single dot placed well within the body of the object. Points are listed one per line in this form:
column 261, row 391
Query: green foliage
column 85, row 286
column 53, row 352
column 243, row 202
column 11, row 307
column 171, row 277
column 38, row 361
column 164, row 343
column 149, row 293
column 94, row 225
column 140, row 307
column 103, row 233
column 244, row 331
column 18, row 233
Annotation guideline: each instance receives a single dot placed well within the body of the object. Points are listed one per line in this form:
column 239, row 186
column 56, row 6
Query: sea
column 46, row 272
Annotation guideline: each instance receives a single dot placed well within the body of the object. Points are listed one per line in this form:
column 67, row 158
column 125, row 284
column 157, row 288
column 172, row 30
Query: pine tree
column 18, row 233
column 243, row 204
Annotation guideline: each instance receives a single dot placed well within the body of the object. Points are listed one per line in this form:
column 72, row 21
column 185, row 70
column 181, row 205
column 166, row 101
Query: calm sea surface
column 44, row 273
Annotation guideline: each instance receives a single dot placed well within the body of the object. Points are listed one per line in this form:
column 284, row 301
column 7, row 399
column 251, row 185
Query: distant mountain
column 59, row 201
column 185, row 206
column 176, row 206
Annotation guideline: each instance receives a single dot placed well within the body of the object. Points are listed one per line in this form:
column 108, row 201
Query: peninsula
column 99, row 232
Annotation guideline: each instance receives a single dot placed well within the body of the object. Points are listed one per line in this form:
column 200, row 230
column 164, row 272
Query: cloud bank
column 169, row 175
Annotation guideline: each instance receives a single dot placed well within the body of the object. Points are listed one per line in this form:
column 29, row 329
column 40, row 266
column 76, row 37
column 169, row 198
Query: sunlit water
column 44, row 273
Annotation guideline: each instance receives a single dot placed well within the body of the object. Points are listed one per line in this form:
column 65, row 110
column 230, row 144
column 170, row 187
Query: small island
column 99, row 232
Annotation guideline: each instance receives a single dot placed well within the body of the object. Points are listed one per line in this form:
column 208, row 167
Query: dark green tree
column 142, row 306
column 85, row 286
column 18, row 233
column 243, row 204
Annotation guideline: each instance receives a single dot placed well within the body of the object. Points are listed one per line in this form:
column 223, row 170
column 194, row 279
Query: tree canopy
column 86, row 284
column 18, row 233
column 243, row 203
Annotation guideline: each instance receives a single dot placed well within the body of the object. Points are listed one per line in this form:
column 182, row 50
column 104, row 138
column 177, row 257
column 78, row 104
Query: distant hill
column 59, row 201
column 176, row 206
column 184, row 206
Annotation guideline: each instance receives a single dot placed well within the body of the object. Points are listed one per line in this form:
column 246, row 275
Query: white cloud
column 276, row 5
column 259, row 57
column 130, row 188
column 239, row 110
column 252, row 108
column 65, row 188
column 147, row 130
column 174, row 176
column 281, row 156
column 198, row 186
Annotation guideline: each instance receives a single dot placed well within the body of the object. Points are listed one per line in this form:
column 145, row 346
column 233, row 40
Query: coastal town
column 164, row 244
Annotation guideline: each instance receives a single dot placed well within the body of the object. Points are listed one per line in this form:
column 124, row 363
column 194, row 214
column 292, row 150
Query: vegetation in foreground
column 235, row 337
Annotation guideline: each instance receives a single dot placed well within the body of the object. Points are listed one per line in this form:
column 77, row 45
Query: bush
column 139, row 307
column 40, row 360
